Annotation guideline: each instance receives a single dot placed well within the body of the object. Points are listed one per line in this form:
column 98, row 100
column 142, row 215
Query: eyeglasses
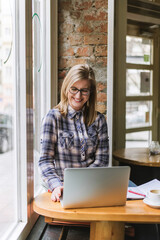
column 83, row 91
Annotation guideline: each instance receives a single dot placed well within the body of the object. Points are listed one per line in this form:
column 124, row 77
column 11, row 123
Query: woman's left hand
column 57, row 193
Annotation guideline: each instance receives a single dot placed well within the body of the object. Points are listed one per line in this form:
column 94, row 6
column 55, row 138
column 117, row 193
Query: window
column 136, row 75
column 24, row 100
column 139, row 90
column 0, row 29
column 41, row 84
column 44, row 76
column 8, row 149
column 139, row 50
column 139, row 82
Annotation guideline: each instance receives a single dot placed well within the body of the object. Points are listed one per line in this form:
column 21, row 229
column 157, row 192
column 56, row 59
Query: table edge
column 150, row 216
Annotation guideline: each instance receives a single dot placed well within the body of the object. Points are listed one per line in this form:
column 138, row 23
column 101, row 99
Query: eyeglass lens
column 83, row 91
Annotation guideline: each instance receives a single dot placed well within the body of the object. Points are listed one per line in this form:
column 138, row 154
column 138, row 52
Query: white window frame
column 20, row 126
column 110, row 67
column 25, row 181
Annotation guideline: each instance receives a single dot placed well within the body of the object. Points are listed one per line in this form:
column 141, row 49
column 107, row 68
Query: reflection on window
column 138, row 139
column 138, row 82
column 38, row 70
column 0, row 29
column 138, row 114
column 139, row 50
column 8, row 163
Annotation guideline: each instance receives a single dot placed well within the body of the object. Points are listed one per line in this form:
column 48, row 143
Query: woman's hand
column 57, row 193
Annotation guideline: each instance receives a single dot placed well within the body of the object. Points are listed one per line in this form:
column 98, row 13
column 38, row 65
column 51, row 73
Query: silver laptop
column 95, row 187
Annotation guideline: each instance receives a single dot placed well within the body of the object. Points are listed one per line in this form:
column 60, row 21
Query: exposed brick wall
column 83, row 39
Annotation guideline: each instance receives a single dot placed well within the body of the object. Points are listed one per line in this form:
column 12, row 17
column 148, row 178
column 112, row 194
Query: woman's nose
column 78, row 94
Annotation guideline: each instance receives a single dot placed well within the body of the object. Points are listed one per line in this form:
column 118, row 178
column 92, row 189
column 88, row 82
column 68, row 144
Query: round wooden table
column 143, row 166
column 106, row 223
column 137, row 156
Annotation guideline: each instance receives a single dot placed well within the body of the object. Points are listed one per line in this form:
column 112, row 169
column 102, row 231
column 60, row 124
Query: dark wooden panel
column 38, row 229
column 144, row 12
column 145, row 5
column 74, row 233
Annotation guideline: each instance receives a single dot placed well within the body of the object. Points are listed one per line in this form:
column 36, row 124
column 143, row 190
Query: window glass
column 16, row 152
column 38, row 19
column 8, row 159
column 139, row 50
column 138, row 139
column 138, row 82
column 138, row 114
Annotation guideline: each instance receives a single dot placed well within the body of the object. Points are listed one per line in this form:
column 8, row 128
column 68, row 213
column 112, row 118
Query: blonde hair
column 76, row 73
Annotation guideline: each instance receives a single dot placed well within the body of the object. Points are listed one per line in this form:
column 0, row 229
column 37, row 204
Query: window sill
column 22, row 230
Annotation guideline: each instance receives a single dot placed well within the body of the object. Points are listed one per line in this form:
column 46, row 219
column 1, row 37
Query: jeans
column 131, row 184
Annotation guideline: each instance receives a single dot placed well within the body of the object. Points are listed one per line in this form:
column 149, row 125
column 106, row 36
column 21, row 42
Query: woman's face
column 77, row 99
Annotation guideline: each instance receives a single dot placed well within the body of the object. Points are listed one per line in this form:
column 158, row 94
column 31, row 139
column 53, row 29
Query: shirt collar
column 72, row 113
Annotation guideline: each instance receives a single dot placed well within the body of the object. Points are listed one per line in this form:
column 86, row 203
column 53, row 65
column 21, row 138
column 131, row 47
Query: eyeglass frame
column 80, row 90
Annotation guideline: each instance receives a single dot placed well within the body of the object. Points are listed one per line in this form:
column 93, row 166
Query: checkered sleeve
column 102, row 152
column 46, row 161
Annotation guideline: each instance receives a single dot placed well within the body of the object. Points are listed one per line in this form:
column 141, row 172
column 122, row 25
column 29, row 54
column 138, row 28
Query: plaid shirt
column 61, row 145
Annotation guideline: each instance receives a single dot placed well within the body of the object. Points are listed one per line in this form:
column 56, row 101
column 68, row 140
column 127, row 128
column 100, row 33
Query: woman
column 74, row 134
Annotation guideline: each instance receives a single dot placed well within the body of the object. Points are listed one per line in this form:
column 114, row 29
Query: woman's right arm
column 47, row 155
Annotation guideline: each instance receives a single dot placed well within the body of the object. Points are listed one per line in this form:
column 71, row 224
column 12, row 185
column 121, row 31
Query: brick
column 101, row 4
column 62, row 74
column 63, row 39
column 101, row 97
column 67, row 5
column 76, row 61
column 101, row 61
column 75, row 14
column 102, row 27
column 64, row 63
column 94, row 16
column 95, row 39
column 65, row 1
column 79, row 5
column 66, row 27
column 75, row 39
column 99, row 26
column 62, row 16
column 101, row 50
column 101, row 86
column 84, row 51
column 66, row 51
column 60, row 81
column 84, row 28
column 101, row 108
column 69, row 16
column 92, row 60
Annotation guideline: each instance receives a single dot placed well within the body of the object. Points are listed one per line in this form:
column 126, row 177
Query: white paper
column 143, row 189
column 133, row 195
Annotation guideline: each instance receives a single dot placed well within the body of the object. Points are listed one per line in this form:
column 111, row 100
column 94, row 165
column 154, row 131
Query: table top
column 134, row 211
column 137, row 156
